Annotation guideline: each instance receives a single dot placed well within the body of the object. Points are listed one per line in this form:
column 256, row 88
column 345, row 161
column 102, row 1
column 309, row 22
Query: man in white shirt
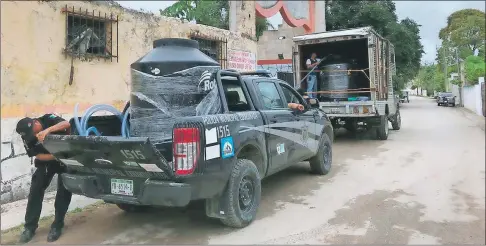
column 312, row 78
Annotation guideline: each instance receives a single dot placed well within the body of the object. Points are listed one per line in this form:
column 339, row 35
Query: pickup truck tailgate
column 118, row 170
column 114, row 156
column 348, row 109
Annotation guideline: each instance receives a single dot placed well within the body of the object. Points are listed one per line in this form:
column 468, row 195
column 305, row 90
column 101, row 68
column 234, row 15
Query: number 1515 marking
column 132, row 154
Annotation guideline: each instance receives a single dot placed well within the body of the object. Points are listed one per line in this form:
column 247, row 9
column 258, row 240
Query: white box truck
column 354, row 77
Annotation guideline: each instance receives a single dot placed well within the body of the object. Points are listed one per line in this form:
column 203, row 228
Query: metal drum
column 336, row 77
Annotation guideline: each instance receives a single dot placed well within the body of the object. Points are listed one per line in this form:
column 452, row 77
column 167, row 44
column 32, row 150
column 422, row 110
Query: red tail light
column 186, row 150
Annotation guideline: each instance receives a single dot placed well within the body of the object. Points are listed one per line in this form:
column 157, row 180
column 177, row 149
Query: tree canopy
column 465, row 30
column 462, row 40
column 381, row 15
column 210, row 13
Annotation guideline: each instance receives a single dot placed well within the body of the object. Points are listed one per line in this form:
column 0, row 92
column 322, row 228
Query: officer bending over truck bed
column 33, row 131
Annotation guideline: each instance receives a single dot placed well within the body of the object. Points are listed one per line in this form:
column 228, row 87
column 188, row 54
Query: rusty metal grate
column 90, row 34
column 214, row 47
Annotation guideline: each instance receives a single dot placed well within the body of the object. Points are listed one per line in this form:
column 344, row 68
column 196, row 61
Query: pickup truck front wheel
column 243, row 194
column 321, row 163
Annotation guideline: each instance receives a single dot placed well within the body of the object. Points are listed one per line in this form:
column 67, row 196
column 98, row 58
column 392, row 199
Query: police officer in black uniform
column 33, row 131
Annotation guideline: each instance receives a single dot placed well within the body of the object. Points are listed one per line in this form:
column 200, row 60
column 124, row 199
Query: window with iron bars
column 214, row 48
column 90, row 34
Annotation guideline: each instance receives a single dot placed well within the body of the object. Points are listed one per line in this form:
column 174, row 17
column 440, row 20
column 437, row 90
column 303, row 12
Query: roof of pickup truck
column 344, row 32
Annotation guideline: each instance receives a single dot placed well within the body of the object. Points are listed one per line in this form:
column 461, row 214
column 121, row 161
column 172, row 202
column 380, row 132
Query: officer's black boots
column 54, row 234
column 26, row 236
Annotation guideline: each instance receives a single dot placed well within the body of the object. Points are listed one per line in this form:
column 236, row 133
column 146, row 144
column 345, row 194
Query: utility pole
column 446, row 80
column 461, row 78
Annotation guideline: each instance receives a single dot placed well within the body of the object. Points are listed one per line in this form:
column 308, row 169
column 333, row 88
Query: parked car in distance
column 404, row 96
column 446, row 99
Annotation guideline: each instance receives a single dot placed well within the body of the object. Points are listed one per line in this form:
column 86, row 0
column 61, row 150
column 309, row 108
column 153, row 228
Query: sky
column 431, row 15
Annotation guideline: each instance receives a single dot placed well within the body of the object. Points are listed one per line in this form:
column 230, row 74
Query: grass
column 11, row 235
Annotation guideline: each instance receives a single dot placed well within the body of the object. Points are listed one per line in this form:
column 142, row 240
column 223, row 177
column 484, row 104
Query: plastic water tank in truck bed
column 172, row 80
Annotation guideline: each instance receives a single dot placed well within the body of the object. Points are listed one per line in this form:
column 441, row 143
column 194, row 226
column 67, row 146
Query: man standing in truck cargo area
column 33, row 131
column 312, row 77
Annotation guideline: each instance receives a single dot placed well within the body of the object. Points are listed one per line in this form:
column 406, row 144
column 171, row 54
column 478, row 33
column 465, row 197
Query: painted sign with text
column 241, row 60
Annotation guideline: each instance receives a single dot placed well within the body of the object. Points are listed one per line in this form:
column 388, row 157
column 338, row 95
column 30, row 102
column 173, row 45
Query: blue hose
column 82, row 124
column 125, row 130
column 94, row 130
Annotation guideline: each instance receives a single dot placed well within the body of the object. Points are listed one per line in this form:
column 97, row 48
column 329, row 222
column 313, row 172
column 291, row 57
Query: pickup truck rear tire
column 382, row 130
column 131, row 208
column 243, row 194
column 321, row 163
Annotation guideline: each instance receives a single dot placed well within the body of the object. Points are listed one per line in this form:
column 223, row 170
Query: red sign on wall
column 241, row 60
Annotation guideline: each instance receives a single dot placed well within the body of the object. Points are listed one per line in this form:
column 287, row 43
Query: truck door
column 306, row 129
column 275, row 111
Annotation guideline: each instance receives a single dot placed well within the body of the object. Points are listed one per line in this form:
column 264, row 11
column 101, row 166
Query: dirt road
column 424, row 185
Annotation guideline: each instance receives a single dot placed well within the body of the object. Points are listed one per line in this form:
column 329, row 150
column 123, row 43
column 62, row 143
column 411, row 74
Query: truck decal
column 313, row 128
column 212, row 149
column 212, row 152
column 70, row 162
column 151, row 168
column 311, row 144
column 226, row 118
column 227, row 147
column 280, row 148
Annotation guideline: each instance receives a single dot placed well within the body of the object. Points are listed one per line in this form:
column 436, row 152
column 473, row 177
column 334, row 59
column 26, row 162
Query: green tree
column 381, row 16
column 210, row 13
column 431, row 78
column 465, row 31
column 475, row 68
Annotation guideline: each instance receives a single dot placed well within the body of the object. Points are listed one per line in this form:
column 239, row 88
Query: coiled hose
column 82, row 124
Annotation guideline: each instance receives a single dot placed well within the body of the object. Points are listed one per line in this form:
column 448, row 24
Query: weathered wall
column 269, row 44
column 35, row 73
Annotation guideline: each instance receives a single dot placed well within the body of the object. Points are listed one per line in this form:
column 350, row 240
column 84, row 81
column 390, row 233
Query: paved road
column 425, row 185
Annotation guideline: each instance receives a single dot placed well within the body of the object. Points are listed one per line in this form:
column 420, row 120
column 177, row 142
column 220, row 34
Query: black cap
column 25, row 127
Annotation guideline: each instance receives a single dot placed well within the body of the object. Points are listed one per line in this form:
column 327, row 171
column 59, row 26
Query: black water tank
column 336, row 77
column 172, row 80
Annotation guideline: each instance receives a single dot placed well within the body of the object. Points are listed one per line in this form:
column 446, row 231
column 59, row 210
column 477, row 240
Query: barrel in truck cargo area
column 173, row 80
column 336, row 77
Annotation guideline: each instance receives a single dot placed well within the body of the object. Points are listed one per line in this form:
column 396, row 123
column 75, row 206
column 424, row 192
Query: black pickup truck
column 219, row 158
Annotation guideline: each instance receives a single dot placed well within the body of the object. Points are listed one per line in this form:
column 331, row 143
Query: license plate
column 334, row 110
column 122, row 187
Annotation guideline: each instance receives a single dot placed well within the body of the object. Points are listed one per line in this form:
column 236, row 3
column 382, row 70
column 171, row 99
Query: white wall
column 472, row 98
column 16, row 170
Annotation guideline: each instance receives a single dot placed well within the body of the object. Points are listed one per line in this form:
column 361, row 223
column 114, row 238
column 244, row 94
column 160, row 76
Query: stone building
column 39, row 74
column 275, row 48
column 299, row 18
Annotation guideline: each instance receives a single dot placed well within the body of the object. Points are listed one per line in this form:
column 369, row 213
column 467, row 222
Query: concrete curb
column 479, row 120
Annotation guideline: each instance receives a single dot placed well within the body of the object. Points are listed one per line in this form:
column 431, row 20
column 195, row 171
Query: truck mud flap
column 113, row 156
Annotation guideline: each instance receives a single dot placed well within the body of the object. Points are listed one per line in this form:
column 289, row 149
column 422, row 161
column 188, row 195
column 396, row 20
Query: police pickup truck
column 219, row 158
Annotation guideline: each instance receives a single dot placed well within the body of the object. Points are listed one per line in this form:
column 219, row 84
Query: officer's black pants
column 40, row 181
